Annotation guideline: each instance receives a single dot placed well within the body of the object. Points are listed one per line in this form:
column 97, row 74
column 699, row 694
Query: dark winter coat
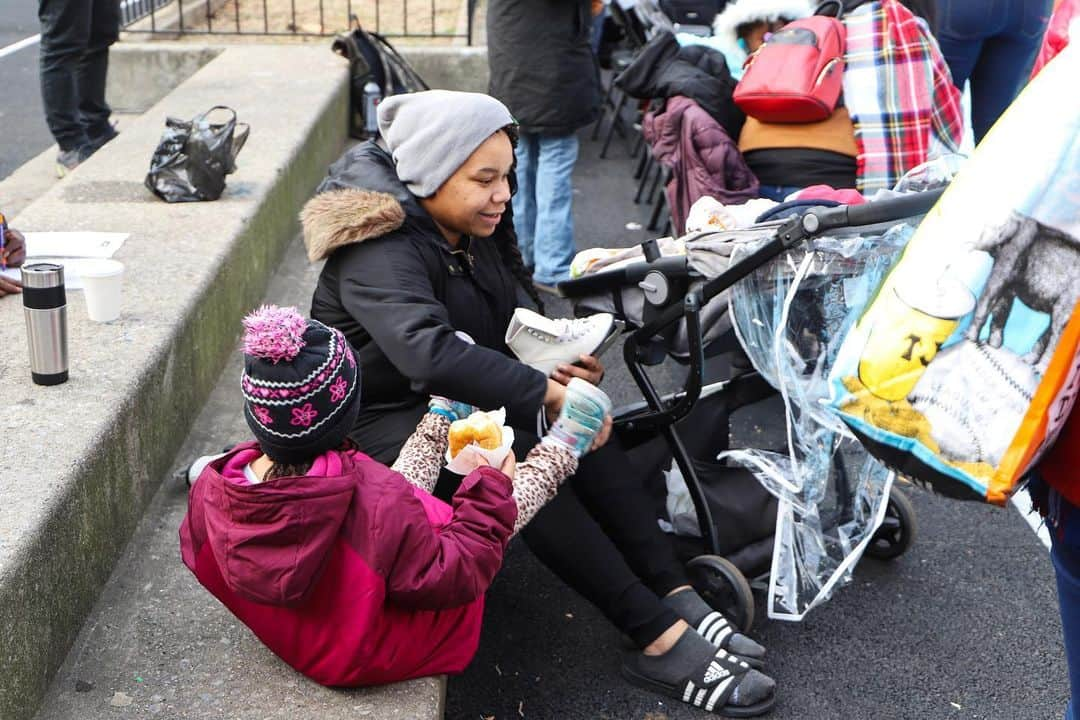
column 542, row 64
column 398, row 291
column 704, row 160
column 664, row 70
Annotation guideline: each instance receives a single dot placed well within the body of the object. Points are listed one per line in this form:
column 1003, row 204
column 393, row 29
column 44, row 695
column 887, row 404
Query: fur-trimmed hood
column 341, row 217
column 361, row 198
column 745, row 11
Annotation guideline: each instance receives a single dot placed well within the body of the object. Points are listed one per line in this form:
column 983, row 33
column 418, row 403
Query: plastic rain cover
column 791, row 316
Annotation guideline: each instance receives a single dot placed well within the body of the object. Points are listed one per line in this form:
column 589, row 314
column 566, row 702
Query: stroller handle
column 614, row 280
column 871, row 213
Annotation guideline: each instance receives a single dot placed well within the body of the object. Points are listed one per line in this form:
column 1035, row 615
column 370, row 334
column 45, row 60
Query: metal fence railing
column 444, row 19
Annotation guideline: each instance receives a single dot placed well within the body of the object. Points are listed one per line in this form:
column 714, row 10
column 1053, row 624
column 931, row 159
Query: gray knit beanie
column 431, row 134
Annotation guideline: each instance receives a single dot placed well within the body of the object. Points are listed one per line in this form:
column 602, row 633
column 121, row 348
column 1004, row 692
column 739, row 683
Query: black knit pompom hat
column 301, row 384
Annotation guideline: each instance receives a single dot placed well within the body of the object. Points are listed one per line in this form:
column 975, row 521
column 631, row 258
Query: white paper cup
column 102, row 283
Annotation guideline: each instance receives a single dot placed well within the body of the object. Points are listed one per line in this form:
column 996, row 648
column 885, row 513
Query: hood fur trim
column 341, row 217
column 744, row 11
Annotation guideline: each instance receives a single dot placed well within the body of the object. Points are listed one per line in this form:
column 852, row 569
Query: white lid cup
column 102, row 283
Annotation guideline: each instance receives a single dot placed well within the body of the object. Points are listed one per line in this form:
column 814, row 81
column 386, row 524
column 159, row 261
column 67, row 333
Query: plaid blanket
column 899, row 92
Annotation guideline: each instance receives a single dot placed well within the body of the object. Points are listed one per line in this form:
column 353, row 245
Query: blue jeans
column 1063, row 522
column 993, row 43
column 598, row 29
column 543, row 205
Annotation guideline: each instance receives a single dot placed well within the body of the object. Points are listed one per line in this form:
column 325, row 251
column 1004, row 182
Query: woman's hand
column 590, row 369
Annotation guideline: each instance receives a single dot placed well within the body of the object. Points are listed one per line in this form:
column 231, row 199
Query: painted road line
column 1022, row 502
column 16, row 47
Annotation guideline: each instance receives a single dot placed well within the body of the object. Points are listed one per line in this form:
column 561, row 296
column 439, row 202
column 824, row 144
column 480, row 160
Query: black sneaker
column 68, row 160
column 99, row 141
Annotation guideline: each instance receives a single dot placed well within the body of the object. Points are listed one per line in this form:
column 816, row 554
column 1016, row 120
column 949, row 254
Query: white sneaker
column 543, row 343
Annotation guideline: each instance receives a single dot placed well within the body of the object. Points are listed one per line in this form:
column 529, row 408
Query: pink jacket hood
column 272, row 540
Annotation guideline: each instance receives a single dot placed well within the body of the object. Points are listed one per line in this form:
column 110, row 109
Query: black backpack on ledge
column 377, row 70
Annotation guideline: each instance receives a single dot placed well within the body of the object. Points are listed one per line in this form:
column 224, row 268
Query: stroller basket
column 675, row 293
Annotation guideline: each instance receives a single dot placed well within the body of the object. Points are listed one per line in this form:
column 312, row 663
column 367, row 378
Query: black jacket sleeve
column 391, row 295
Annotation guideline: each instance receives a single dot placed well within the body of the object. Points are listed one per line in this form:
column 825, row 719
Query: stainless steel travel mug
column 45, row 307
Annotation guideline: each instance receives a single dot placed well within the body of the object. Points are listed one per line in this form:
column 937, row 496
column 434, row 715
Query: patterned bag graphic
column 963, row 366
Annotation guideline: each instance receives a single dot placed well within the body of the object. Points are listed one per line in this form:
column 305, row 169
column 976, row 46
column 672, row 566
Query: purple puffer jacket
column 702, row 157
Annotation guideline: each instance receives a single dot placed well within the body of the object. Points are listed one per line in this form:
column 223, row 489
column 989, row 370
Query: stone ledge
column 81, row 460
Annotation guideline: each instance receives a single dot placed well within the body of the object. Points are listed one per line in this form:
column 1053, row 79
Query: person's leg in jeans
column 554, row 238
column 524, row 201
column 94, row 67
column 1067, row 570
column 962, row 27
column 598, row 29
column 1004, row 63
column 65, row 34
column 1061, row 519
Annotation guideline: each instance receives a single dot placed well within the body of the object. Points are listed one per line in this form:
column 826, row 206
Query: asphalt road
column 964, row 625
column 23, row 133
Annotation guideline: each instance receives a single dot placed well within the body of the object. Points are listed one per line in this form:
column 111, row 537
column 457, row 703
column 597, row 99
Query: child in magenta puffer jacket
column 350, row 571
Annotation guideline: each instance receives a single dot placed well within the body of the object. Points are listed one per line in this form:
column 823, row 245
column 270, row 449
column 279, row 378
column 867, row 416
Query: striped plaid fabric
column 899, row 93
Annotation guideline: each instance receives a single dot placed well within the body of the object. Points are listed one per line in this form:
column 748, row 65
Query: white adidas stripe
column 722, row 633
column 689, row 691
column 700, row 698
column 717, row 693
column 705, row 625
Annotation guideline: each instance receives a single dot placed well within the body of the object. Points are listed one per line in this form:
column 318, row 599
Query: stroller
column 663, row 300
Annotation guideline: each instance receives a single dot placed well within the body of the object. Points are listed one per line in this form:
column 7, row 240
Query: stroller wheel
column 724, row 587
column 897, row 530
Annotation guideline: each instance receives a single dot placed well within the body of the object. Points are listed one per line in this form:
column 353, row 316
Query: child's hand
column 446, row 406
column 509, row 465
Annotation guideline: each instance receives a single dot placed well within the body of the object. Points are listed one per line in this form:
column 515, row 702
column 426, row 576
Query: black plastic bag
column 194, row 156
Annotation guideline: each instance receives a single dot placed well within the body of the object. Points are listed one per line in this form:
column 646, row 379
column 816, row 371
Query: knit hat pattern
column 301, row 384
column 431, row 134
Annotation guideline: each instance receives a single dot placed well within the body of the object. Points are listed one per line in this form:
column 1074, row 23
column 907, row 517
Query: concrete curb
column 81, row 460
column 141, row 74
column 449, row 68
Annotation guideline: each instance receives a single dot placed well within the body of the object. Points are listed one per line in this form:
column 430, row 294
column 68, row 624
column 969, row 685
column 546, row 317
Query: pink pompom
column 274, row 333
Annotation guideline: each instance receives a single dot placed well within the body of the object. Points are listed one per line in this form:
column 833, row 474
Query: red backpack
column 797, row 76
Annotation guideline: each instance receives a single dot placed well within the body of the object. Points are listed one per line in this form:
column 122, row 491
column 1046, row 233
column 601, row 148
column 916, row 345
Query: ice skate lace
column 572, row 329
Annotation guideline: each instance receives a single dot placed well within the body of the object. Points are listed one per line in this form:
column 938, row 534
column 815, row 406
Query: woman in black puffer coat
column 419, row 244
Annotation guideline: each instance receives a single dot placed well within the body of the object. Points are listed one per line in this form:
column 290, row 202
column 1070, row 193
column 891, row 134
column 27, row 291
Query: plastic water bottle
column 372, row 96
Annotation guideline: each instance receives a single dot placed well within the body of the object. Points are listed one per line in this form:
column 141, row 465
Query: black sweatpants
column 74, row 60
column 598, row 534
